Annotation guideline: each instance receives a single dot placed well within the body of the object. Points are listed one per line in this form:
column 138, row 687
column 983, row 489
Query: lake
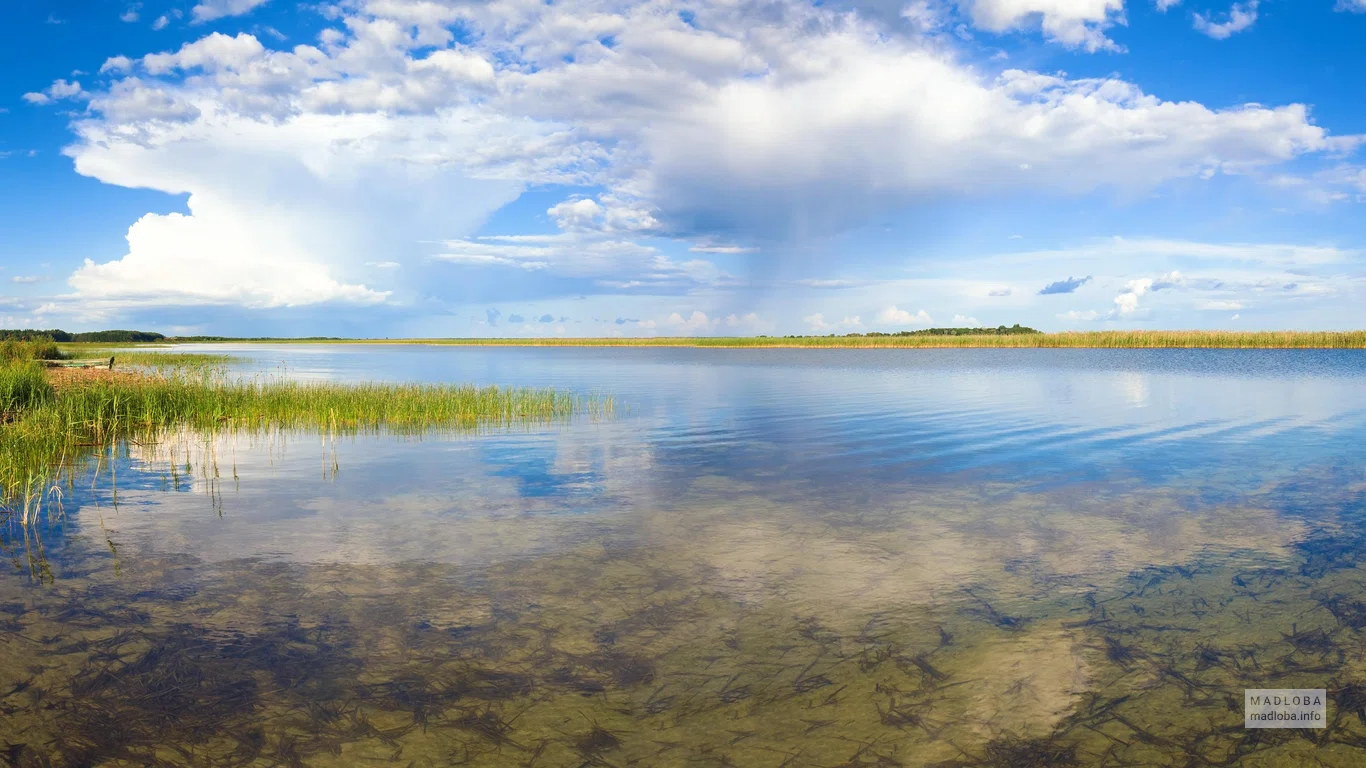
column 763, row 557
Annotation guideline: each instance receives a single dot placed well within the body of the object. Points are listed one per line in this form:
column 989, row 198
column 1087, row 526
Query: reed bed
column 47, row 431
column 1074, row 339
column 189, row 362
column 14, row 350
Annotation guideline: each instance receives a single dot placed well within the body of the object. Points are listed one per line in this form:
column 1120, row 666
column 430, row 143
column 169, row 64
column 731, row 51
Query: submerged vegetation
column 49, row 421
column 697, row 648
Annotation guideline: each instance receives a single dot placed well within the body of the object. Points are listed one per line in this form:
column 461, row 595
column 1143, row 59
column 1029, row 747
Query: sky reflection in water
column 771, row 557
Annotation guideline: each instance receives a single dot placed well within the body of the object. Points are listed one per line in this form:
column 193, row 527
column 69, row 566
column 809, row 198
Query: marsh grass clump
column 47, row 430
column 153, row 359
column 17, row 351
column 22, row 386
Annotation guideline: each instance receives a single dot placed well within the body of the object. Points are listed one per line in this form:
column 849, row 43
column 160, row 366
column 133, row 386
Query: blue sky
column 619, row 167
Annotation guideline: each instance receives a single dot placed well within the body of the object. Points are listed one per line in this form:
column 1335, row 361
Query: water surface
column 766, row 558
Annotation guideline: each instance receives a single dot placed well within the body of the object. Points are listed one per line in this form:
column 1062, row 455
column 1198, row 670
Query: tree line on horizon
column 1000, row 330
column 126, row 337
column 106, row 337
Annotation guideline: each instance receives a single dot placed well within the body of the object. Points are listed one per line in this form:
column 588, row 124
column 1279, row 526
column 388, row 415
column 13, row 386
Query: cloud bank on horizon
column 443, row 167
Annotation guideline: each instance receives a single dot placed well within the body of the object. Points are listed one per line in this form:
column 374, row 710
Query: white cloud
column 1221, row 305
column 26, row 279
column 743, row 124
column 616, row 263
column 117, row 65
column 722, row 249
column 1240, row 17
column 1076, row 315
column 1126, row 303
column 963, row 321
column 214, row 53
column 130, row 14
column 697, row 321
column 383, row 264
column 817, row 322
column 1077, row 23
column 208, row 258
column 1262, row 254
column 60, row 89
column 828, row 283
column 576, row 214
column 816, row 152
column 1351, row 6
column 208, row 10
column 894, row 316
column 607, row 214
column 161, row 23
column 1164, row 5
column 750, row 322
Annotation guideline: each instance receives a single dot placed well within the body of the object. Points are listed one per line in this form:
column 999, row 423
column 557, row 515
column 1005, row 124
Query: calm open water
column 765, row 558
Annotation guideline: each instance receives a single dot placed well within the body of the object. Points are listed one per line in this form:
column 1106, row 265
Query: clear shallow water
column 769, row 557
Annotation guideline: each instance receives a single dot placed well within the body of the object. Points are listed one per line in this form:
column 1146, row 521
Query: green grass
column 23, row 385
column 47, row 432
column 12, row 350
column 153, row 360
column 1088, row 339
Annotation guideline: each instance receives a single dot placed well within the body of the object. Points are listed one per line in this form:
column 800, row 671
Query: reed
column 48, row 431
column 14, row 350
column 1072, row 339
column 22, row 386
column 153, row 360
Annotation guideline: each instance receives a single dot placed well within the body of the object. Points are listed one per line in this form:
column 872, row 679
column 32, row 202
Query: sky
column 391, row 168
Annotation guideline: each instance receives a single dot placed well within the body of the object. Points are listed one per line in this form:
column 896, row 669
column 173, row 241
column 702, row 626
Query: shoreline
column 53, row 420
column 1064, row 340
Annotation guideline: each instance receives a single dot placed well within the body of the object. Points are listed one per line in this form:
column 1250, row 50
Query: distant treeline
column 104, row 337
column 999, row 330
column 188, row 339
column 124, row 337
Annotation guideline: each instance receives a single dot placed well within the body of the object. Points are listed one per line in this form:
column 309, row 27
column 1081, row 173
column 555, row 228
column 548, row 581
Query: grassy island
column 52, row 418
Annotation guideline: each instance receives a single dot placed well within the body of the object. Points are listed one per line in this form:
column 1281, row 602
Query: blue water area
column 826, row 416
column 756, row 557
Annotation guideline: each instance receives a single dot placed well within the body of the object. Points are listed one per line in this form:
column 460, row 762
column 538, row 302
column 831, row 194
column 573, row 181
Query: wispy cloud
column 1240, row 17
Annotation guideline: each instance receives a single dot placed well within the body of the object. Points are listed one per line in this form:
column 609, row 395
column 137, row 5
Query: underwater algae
column 732, row 629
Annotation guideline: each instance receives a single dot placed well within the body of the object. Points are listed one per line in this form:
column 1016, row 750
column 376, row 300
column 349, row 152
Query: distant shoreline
column 1078, row 340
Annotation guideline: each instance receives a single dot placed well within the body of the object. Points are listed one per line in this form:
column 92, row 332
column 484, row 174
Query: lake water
column 763, row 558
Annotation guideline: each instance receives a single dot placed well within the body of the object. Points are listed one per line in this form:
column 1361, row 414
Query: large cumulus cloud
column 728, row 123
